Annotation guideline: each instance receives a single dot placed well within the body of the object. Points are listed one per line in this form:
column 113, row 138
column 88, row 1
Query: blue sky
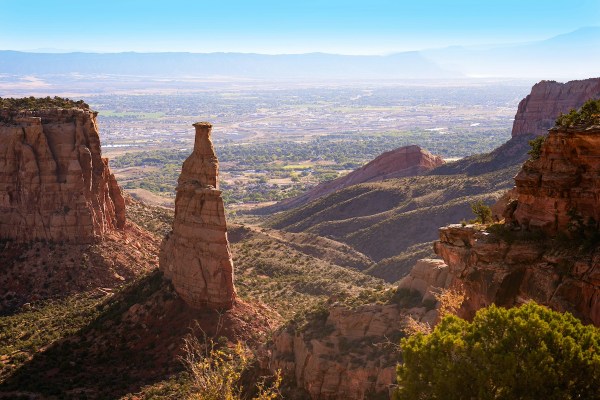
column 295, row 26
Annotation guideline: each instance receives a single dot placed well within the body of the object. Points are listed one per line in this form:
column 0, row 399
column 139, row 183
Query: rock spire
column 195, row 256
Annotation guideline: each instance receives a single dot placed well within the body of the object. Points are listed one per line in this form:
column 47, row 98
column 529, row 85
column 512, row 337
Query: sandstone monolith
column 195, row 256
column 54, row 183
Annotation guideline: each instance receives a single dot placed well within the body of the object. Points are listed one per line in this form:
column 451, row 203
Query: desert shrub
column 483, row 213
column 582, row 233
column 37, row 103
column 588, row 114
column 216, row 372
column 536, row 147
column 529, row 352
column 407, row 298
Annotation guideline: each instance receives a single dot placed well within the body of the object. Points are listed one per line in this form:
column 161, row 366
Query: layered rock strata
column 562, row 183
column 547, row 100
column 195, row 256
column 508, row 273
column 54, row 183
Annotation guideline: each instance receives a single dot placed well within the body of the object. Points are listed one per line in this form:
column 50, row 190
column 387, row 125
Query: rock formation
column 195, row 256
column 562, row 181
column 402, row 162
column 492, row 270
column 349, row 355
column 547, row 100
column 54, row 184
column 520, row 260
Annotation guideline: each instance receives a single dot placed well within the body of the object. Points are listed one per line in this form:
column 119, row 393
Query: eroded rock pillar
column 195, row 256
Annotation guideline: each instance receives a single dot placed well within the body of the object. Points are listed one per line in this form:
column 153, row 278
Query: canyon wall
column 54, row 183
column 507, row 273
column 562, row 182
column 547, row 100
column 195, row 256
column 544, row 251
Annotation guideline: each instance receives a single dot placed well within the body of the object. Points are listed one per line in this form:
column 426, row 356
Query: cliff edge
column 547, row 100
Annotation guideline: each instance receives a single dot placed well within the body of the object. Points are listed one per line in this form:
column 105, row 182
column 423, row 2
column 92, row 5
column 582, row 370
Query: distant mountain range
column 236, row 65
column 573, row 55
column 568, row 56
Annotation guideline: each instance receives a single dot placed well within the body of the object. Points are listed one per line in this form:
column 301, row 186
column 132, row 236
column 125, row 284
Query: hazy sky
column 284, row 26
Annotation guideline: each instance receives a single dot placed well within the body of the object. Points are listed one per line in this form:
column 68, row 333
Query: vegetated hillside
column 393, row 221
column 289, row 276
column 510, row 154
column 398, row 163
column 113, row 344
column 40, row 270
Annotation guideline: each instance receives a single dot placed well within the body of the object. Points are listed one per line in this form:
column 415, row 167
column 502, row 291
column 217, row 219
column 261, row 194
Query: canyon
column 529, row 256
column 344, row 343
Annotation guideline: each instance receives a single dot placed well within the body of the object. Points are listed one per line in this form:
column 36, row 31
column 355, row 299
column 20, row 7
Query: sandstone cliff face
column 350, row 355
column 564, row 178
column 402, row 162
column 538, row 111
column 195, row 256
column 54, row 184
column 492, row 270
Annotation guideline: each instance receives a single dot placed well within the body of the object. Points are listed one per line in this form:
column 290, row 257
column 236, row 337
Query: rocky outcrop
column 547, row 100
column 428, row 277
column 54, row 183
column 562, row 183
column 349, row 354
column 402, row 162
column 195, row 256
column 493, row 269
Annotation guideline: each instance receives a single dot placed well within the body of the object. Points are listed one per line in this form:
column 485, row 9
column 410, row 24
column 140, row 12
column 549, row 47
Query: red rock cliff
column 54, row 184
column 547, row 100
column 195, row 256
column 565, row 177
column 495, row 271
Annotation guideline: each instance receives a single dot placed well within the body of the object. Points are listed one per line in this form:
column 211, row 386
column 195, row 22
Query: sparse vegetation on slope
column 384, row 220
column 278, row 273
column 117, row 344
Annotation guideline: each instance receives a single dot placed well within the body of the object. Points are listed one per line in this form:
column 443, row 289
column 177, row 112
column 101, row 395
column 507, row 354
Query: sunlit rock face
column 195, row 256
column 562, row 182
column 547, row 100
column 54, row 183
